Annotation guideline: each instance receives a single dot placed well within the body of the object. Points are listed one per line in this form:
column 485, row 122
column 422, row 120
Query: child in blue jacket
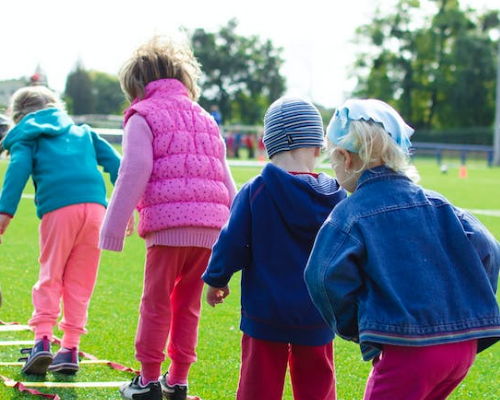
column 397, row 268
column 270, row 233
column 63, row 161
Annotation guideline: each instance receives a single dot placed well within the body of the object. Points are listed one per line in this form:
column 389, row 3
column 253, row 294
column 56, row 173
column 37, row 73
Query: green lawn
column 114, row 307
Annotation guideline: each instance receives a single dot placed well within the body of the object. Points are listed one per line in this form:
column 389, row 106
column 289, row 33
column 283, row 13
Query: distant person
column 216, row 114
column 260, row 147
column 70, row 197
column 397, row 268
column 270, row 233
column 230, row 144
column 238, row 139
column 250, row 144
column 174, row 171
column 4, row 127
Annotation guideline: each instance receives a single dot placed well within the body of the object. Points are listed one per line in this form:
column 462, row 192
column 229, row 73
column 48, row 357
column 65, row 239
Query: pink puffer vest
column 186, row 186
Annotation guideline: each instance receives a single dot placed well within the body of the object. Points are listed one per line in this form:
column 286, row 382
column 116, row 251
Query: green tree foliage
column 78, row 92
column 93, row 92
column 108, row 96
column 433, row 61
column 241, row 75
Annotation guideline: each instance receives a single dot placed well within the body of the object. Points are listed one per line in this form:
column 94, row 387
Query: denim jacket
column 397, row 264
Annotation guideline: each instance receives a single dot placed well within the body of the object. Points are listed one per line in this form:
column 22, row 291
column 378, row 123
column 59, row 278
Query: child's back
column 70, row 197
column 174, row 171
column 271, row 230
column 61, row 157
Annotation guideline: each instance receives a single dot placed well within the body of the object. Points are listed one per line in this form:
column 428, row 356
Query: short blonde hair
column 30, row 99
column 160, row 58
column 374, row 144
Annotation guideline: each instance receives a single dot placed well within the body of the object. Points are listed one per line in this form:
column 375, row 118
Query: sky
column 316, row 35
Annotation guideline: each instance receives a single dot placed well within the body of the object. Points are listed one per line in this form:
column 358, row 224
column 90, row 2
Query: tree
column 78, row 92
column 437, row 69
column 241, row 75
column 108, row 96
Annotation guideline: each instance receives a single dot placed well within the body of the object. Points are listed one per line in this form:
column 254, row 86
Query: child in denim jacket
column 397, row 268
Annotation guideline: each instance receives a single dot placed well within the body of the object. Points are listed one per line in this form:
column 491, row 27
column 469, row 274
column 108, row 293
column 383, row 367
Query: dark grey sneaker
column 135, row 391
column 39, row 358
column 65, row 362
column 176, row 392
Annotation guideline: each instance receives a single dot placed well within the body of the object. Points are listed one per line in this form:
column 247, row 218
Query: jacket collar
column 381, row 172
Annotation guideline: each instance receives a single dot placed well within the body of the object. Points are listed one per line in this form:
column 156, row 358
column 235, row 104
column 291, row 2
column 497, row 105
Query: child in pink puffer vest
column 174, row 171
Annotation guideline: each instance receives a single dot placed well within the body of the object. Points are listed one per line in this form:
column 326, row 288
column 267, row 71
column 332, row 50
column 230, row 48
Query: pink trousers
column 170, row 310
column 69, row 260
column 419, row 373
column 264, row 365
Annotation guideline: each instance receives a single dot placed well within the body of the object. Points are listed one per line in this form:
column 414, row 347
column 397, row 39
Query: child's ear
column 317, row 151
column 347, row 158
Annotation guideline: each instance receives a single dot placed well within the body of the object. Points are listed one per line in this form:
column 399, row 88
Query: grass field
column 114, row 307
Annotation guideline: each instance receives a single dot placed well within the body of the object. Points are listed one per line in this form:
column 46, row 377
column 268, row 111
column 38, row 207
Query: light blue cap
column 368, row 110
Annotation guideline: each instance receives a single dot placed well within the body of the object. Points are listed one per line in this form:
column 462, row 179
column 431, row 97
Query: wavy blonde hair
column 374, row 144
column 30, row 99
column 161, row 57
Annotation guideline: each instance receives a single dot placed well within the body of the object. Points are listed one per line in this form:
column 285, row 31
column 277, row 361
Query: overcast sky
column 315, row 35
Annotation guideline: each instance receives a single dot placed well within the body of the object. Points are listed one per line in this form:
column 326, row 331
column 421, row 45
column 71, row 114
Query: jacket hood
column 302, row 201
column 49, row 121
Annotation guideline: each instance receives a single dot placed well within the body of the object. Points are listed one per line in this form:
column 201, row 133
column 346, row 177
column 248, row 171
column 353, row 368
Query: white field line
column 491, row 213
column 14, row 328
column 19, row 363
column 12, row 383
column 16, row 343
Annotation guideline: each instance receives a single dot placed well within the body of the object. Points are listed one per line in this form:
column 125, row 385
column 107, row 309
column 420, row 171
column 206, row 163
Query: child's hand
column 130, row 225
column 4, row 222
column 216, row 295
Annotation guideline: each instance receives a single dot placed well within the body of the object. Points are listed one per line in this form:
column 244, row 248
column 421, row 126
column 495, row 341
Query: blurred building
column 7, row 89
column 9, row 86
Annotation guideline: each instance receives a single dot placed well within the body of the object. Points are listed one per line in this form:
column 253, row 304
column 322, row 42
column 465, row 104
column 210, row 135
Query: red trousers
column 264, row 365
column 419, row 373
column 170, row 308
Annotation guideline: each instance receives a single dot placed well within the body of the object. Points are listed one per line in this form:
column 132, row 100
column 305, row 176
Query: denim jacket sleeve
column 333, row 279
column 487, row 247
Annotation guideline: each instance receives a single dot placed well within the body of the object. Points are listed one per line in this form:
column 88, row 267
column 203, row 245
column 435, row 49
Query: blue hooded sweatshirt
column 270, row 232
column 62, row 158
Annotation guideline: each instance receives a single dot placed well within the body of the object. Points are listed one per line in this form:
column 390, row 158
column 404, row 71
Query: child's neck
column 295, row 161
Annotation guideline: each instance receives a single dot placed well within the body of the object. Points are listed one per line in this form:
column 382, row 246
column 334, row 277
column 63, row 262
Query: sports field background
column 114, row 307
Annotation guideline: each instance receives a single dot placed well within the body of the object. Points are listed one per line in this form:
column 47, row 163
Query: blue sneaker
column 65, row 362
column 39, row 358
column 135, row 391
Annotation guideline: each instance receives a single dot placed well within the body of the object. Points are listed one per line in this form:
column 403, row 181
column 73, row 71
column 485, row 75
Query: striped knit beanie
column 291, row 123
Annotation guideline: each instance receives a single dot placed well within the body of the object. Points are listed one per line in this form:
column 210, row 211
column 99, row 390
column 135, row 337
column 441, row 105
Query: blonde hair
column 30, row 99
column 374, row 144
column 160, row 58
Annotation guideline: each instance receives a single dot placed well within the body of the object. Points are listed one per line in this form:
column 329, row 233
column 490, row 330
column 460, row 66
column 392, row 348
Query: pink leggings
column 69, row 260
column 170, row 310
column 264, row 365
column 419, row 373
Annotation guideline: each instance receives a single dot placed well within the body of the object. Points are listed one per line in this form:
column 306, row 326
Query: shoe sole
column 67, row 369
column 38, row 364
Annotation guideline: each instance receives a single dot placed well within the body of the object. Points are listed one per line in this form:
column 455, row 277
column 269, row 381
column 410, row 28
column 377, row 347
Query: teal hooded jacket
column 63, row 160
